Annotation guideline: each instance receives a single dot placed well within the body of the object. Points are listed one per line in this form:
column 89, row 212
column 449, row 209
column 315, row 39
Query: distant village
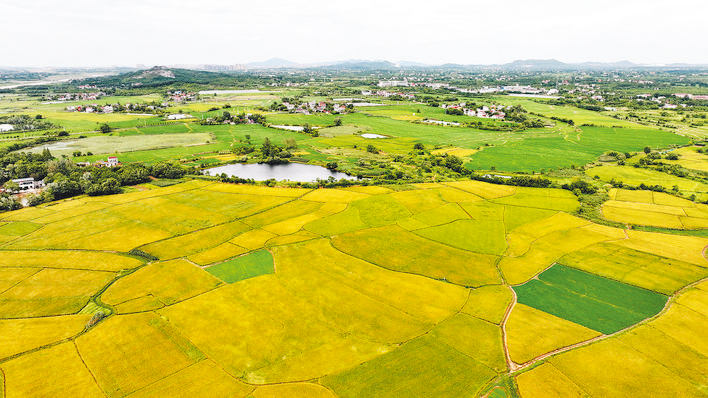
column 154, row 107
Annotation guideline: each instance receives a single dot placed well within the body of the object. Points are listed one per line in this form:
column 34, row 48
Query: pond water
column 441, row 122
column 290, row 171
column 370, row 135
column 291, row 128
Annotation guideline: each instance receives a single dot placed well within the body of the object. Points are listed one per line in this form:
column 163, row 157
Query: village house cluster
column 181, row 96
column 96, row 108
column 387, row 94
column 308, row 108
column 111, row 162
column 488, row 112
column 666, row 103
column 78, row 96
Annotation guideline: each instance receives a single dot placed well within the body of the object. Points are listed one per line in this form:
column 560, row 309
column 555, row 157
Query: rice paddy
column 434, row 290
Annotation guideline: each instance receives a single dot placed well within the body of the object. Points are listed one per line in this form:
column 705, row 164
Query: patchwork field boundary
column 76, row 348
column 561, row 350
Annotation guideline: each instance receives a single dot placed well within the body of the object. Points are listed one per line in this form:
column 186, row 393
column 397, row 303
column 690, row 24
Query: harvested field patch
column 292, row 238
column 531, row 333
column 216, row 254
column 308, row 390
column 204, row 379
column 394, row 248
column 240, row 334
column 128, row 352
column 473, row 337
column 489, row 303
column 454, row 195
column 283, row 212
column 195, row 242
column 253, row 239
column 334, row 196
column 54, row 372
column 419, row 200
column 648, row 271
column 441, row 215
column 422, row 367
column 544, row 251
column 546, row 381
column 258, row 190
column 20, row 335
column 483, row 189
column 541, row 201
column 52, row 292
column 684, row 248
column 344, row 280
column 168, row 281
column 611, row 368
column 68, row 259
column 485, row 237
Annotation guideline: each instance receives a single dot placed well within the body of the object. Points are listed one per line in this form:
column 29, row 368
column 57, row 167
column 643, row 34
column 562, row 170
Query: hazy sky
column 159, row 32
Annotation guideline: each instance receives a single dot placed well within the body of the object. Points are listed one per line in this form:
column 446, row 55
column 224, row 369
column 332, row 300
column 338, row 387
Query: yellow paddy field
column 656, row 209
column 210, row 289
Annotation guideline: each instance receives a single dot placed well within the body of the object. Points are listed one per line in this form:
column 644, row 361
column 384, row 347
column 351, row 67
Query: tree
column 372, row 149
column 267, row 148
column 338, row 122
column 105, row 128
column 647, row 150
column 168, row 169
column 134, row 173
column 419, row 146
column 332, row 165
column 12, row 186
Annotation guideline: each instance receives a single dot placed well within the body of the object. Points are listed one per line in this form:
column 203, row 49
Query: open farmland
column 656, row 209
column 445, row 289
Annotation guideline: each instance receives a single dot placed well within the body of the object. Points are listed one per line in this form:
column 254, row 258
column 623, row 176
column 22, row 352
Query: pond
column 280, row 172
column 373, row 136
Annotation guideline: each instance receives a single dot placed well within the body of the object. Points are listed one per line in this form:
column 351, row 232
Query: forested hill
column 160, row 76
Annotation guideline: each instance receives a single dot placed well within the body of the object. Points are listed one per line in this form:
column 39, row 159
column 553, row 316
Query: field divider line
column 73, row 342
column 513, row 366
column 219, row 224
column 643, row 322
column 416, row 274
column 24, row 279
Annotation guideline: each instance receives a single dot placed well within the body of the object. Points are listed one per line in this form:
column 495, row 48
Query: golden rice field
column 355, row 292
column 656, row 209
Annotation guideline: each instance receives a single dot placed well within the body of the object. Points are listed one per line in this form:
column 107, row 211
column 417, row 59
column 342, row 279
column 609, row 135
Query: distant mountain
column 537, row 64
column 272, row 63
column 357, row 65
column 412, row 63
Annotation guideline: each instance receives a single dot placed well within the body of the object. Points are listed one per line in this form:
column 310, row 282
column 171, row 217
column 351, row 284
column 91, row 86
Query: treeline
column 518, row 181
column 64, row 179
column 26, row 122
